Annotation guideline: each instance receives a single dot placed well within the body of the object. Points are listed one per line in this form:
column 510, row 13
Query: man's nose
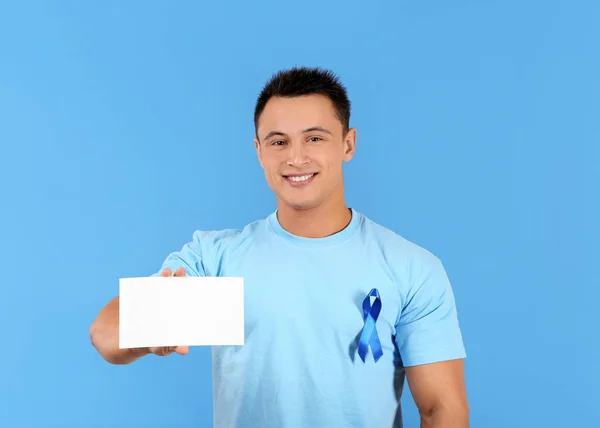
column 298, row 154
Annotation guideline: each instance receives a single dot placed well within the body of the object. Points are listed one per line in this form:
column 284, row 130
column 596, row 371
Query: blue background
column 125, row 126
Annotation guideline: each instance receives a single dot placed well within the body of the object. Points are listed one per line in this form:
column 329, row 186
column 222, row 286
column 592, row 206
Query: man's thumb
column 182, row 350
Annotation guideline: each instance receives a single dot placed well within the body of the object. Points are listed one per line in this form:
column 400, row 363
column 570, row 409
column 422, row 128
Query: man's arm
column 104, row 334
column 431, row 346
column 440, row 394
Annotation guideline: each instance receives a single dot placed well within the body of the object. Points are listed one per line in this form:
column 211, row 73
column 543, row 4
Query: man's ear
column 349, row 144
column 258, row 152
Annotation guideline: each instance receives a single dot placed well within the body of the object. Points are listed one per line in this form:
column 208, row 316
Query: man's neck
column 317, row 222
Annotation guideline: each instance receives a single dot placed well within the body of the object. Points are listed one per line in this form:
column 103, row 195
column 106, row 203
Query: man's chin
column 300, row 205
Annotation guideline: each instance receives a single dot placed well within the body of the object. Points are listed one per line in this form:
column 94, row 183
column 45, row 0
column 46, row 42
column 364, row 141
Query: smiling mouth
column 300, row 178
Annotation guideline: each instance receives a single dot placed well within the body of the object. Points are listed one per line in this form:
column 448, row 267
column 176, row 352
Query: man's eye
column 315, row 139
column 278, row 143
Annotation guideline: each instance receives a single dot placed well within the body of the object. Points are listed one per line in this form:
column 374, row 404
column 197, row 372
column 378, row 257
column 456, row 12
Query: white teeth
column 301, row 178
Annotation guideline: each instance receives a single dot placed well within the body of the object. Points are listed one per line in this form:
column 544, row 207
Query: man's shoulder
column 396, row 246
column 229, row 236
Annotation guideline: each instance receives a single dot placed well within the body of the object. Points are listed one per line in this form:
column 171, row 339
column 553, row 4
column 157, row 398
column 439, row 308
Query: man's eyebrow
column 273, row 133
column 316, row 128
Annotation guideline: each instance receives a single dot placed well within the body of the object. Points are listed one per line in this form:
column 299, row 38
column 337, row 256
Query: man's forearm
column 446, row 417
column 104, row 334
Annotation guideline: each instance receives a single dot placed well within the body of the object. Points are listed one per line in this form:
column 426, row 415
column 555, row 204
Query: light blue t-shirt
column 299, row 367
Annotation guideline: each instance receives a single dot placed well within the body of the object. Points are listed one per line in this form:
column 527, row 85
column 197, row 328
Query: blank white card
column 181, row 311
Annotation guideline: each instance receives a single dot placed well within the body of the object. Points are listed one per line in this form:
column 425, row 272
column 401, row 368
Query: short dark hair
column 299, row 81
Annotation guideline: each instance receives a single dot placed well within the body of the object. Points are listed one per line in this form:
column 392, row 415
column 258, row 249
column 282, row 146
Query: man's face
column 301, row 147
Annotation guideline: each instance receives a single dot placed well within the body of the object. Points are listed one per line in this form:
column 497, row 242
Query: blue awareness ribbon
column 369, row 336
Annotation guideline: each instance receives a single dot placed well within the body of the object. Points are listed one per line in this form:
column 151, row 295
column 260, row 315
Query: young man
column 338, row 309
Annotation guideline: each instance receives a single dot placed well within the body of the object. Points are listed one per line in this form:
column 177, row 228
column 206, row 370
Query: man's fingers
column 163, row 351
column 169, row 272
column 167, row 350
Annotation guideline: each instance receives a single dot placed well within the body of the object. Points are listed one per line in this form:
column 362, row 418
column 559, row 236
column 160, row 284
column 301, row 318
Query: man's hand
column 163, row 351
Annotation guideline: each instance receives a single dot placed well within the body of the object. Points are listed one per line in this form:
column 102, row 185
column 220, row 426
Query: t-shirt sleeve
column 200, row 256
column 427, row 330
